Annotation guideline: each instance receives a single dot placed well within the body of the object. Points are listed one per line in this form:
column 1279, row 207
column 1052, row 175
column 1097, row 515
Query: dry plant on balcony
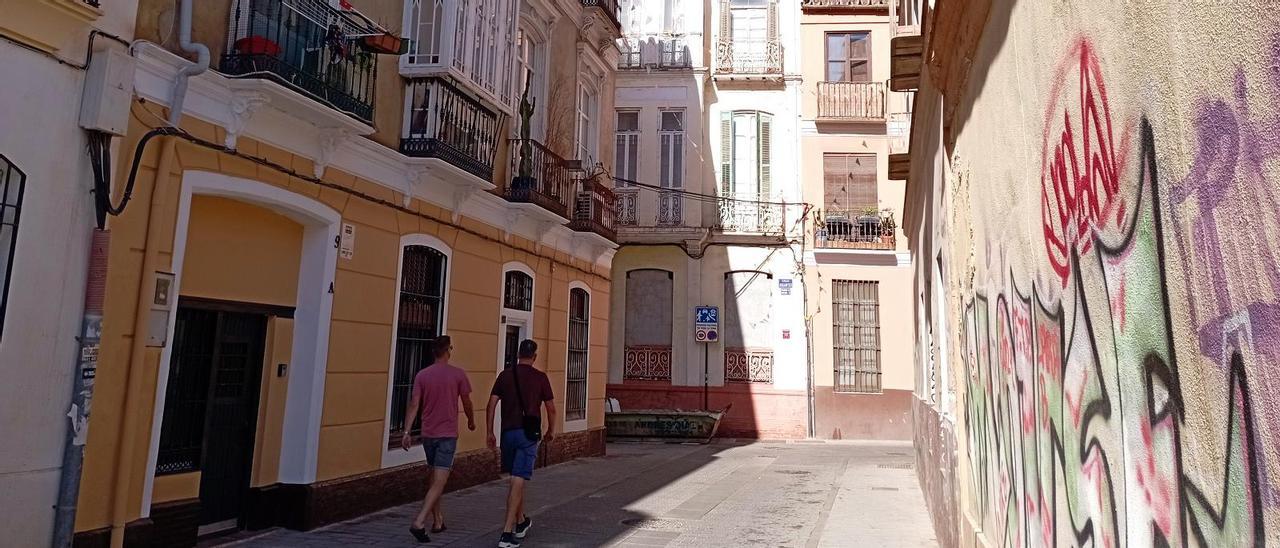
column 560, row 114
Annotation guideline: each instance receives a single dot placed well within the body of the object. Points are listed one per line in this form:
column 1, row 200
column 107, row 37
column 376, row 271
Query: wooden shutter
column 849, row 183
column 726, row 21
column 726, row 152
column 764, row 138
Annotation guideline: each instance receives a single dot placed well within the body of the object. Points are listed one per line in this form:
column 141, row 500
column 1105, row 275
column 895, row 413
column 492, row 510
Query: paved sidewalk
column 802, row 494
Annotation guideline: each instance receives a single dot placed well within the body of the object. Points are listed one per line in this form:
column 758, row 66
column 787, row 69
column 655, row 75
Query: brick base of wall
column 306, row 507
column 883, row 416
column 758, row 411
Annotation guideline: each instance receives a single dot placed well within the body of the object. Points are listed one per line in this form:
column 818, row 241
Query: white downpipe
column 201, row 64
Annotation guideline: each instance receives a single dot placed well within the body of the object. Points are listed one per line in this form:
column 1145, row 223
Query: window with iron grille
column 12, row 183
column 422, row 281
column 579, row 342
column 856, row 339
column 518, row 292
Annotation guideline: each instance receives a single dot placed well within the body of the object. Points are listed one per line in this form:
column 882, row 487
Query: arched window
column 419, row 321
column 579, row 345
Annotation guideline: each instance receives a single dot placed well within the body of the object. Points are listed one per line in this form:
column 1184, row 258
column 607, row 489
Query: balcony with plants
column 447, row 124
column 540, row 177
column 868, row 229
column 325, row 52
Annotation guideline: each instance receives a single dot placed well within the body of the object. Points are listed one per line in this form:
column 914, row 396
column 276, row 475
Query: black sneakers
column 420, row 534
column 508, row 540
column 522, row 528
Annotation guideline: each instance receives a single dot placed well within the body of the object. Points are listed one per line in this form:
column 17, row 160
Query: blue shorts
column 518, row 454
column 440, row 452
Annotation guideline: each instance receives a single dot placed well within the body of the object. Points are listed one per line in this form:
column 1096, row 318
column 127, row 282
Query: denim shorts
column 440, row 452
column 518, row 454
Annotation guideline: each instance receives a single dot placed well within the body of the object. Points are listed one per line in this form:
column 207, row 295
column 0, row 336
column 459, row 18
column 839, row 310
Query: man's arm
column 407, row 439
column 470, row 412
column 488, row 422
column 551, row 420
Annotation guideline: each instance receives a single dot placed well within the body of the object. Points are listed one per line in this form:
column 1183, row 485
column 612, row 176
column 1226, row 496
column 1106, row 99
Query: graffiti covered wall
column 1113, row 269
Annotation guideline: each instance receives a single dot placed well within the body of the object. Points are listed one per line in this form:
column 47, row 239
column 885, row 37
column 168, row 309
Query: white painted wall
column 38, row 349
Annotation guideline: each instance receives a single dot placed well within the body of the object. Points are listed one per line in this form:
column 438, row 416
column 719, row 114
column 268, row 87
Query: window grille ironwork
column 518, row 291
column 422, row 282
column 12, row 184
column 445, row 123
column 857, row 336
column 579, row 342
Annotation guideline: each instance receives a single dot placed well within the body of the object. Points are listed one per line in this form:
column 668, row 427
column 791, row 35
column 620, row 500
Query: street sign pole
column 706, row 369
column 706, row 330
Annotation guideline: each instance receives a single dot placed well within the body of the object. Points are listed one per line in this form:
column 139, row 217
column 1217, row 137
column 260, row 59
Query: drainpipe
column 133, row 399
column 201, row 64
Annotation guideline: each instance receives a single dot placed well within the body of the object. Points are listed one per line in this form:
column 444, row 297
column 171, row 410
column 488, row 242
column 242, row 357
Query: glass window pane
column 858, row 45
column 837, row 47
column 836, row 71
column 628, row 121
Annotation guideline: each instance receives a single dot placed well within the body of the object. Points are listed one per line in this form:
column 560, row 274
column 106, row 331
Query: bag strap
column 515, row 374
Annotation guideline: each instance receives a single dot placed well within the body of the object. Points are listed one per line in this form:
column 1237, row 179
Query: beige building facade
column 334, row 201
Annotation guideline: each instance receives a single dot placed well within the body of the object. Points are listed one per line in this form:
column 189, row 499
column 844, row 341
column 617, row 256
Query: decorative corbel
column 330, row 140
column 540, row 231
column 513, row 220
column 461, row 195
column 242, row 106
column 413, row 176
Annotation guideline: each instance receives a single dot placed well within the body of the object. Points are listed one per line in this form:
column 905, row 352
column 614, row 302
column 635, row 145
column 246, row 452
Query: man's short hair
column 528, row 349
column 442, row 345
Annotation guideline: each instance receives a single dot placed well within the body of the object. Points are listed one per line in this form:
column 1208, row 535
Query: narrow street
column 725, row 494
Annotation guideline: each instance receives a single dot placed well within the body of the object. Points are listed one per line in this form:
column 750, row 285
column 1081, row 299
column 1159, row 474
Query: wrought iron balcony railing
column 752, row 214
column 610, row 9
column 851, row 230
column 306, row 45
column 445, row 123
column 845, row 4
column 851, row 101
column 749, row 57
column 671, row 205
column 748, row 365
column 595, row 210
column 654, row 52
column 539, row 177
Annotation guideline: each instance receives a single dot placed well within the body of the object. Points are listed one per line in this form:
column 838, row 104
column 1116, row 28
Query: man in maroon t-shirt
column 519, row 449
column 439, row 387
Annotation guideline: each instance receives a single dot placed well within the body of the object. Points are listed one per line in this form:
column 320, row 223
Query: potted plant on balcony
column 385, row 43
column 888, row 226
column 820, row 228
column 523, row 181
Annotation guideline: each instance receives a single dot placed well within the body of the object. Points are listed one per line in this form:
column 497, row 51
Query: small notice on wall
column 347, row 245
column 784, row 285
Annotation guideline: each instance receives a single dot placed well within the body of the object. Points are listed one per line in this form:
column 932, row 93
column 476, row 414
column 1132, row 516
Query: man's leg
column 515, row 504
column 439, row 477
column 420, row 521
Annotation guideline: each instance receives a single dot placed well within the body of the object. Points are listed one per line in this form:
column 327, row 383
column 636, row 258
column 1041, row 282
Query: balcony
column 670, row 214
column 325, row 53
column 654, row 53
column 595, row 210
column 610, row 9
column 751, row 214
column 851, row 101
column 748, row 365
column 747, row 58
column 541, row 178
column 447, row 124
column 856, row 230
column 833, row 5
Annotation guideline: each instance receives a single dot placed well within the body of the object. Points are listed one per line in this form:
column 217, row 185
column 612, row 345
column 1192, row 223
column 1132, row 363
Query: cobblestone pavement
column 803, row 494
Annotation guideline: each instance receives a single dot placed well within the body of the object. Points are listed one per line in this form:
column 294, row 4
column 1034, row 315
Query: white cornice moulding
column 280, row 117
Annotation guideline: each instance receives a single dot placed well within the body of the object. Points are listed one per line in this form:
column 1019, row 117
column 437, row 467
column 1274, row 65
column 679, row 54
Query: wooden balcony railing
column 851, row 101
column 595, row 210
column 445, row 123
column 851, row 230
column 539, row 177
column 306, row 45
column 749, row 57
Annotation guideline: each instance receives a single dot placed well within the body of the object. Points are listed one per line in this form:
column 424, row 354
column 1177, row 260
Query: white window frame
column 586, row 129
column 631, row 140
column 580, row 424
column 511, row 315
column 398, row 457
column 537, row 63
column 668, row 178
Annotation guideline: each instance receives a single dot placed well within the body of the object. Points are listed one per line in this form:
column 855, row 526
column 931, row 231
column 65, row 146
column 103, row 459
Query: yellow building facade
column 287, row 257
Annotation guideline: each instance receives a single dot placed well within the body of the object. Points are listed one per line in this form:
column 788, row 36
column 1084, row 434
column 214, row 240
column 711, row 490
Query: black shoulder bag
column 532, row 424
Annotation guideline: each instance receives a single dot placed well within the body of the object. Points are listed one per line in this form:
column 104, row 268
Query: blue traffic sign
column 707, row 315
